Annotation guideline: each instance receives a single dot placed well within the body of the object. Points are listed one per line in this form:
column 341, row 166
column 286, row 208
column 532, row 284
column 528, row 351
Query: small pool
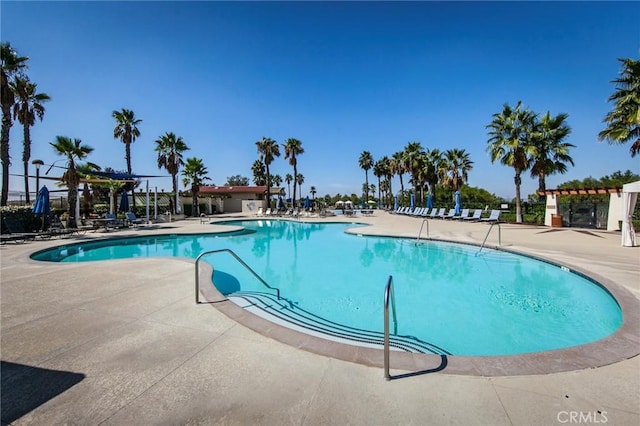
column 449, row 297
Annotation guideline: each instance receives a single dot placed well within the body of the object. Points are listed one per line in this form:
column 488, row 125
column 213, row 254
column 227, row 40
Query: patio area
column 122, row 342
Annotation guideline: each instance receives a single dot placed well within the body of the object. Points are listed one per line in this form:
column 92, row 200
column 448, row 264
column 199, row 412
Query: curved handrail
column 242, row 262
column 388, row 294
column 420, row 232
column 487, row 236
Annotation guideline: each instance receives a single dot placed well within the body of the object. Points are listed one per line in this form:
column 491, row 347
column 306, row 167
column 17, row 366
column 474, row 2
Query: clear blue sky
column 340, row 77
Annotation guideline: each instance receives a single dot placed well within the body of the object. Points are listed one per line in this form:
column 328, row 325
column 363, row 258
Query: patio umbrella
column 395, row 203
column 413, row 201
column 429, row 201
column 280, row 203
column 458, row 206
column 307, row 203
column 42, row 206
column 124, row 202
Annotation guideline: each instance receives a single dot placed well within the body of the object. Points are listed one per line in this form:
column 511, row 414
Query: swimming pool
column 449, row 298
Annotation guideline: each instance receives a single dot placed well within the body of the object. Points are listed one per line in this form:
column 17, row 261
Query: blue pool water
column 492, row 303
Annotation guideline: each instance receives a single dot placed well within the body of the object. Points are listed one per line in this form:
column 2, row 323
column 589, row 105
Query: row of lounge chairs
column 443, row 213
column 14, row 230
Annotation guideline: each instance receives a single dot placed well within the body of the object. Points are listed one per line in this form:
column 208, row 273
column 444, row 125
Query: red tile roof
column 218, row 190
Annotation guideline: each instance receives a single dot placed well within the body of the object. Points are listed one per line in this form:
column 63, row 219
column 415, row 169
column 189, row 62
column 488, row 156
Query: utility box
column 556, row 221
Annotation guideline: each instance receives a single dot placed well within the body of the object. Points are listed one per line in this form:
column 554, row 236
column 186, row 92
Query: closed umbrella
column 42, row 206
column 280, row 203
column 429, row 201
column 395, row 203
column 124, row 202
column 307, row 203
column 413, row 201
column 458, row 205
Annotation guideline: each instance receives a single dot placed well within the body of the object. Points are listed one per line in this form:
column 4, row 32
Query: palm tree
column 510, row 135
column 277, row 180
column 399, row 168
column 194, row 173
column 366, row 162
column 27, row 108
column 73, row 150
column 379, row 171
column 268, row 150
column 11, row 65
column 432, row 169
column 457, row 166
column 258, row 173
column 623, row 122
column 170, row 149
column 127, row 131
column 313, row 192
column 288, row 178
column 292, row 149
column 414, row 161
column 299, row 181
column 550, row 152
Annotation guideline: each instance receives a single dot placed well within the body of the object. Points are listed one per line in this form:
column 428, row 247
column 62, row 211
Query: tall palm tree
column 432, row 169
column 268, row 150
column 127, row 131
column 292, row 149
column 510, row 135
column 194, row 174
column 299, row 181
column 399, row 168
column 457, row 166
column 288, row 178
column 313, row 192
column 380, row 171
column 11, row 65
column 73, row 150
column 27, row 108
column 170, row 149
column 414, row 161
column 623, row 122
column 550, row 152
column 259, row 177
column 277, row 180
column 366, row 162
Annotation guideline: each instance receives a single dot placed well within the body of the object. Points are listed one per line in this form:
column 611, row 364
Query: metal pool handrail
column 420, row 232
column 388, row 294
column 242, row 262
column 487, row 236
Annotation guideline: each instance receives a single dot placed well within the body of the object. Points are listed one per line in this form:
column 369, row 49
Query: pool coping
column 619, row 346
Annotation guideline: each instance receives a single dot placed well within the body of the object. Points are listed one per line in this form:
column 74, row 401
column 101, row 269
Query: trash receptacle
column 556, row 221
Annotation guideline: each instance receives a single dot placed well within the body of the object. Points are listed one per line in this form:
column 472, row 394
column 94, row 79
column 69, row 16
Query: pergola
column 622, row 202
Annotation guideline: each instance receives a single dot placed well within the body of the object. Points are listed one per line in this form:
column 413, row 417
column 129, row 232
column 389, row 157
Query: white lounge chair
column 493, row 217
column 475, row 216
column 260, row 213
column 463, row 214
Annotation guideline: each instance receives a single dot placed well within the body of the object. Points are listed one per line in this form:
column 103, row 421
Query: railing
column 242, row 262
column 420, row 232
column 487, row 236
column 388, row 294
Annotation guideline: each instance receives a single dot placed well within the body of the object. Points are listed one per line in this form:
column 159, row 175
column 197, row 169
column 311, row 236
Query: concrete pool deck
column 123, row 342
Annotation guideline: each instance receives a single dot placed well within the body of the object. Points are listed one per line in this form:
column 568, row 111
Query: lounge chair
column 450, row 215
column 425, row 212
column 15, row 231
column 260, row 213
column 434, row 213
column 463, row 214
column 475, row 216
column 268, row 212
column 133, row 220
column 493, row 217
column 442, row 212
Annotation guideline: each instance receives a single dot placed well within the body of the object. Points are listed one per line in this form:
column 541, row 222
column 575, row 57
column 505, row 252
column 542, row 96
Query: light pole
column 38, row 164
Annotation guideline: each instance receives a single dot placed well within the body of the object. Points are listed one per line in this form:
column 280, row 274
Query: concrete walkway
column 122, row 342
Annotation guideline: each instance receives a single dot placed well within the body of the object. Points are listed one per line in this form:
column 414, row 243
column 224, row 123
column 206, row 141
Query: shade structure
column 42, row 206
column 629, row 200
column 458, row 206
column 429, row 201
column 124, row 202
